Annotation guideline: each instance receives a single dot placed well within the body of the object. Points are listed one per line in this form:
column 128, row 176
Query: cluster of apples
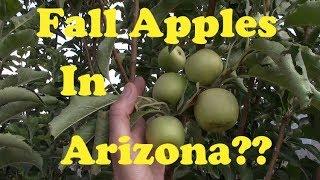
column 215, row 110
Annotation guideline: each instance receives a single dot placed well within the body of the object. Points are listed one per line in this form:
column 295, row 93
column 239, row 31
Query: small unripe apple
column 165, row 129
column 204, row 66
column 173, row 61
column 169, row 88
column 216, row 110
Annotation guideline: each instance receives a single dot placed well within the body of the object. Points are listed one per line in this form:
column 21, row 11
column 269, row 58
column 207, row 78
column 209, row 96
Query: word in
column 85, row 83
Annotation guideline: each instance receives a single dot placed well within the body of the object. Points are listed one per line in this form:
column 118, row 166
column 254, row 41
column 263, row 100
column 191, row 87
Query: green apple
column 204, row 66
column 165, row 129
column 216, row 110
column 169, row 88
column 173, row 61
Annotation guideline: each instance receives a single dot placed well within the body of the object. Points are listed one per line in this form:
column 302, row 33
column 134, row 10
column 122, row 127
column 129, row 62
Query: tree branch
column 285, row 121
column 211, row 8
column 116, row 56
column 134, row 45
column 1, row 27
column 1, row 60
column 88, row 56
column 266, row 7
column 246, row 106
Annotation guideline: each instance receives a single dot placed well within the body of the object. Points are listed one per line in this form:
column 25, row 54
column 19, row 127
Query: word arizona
column 165, row 154
column 176, row 27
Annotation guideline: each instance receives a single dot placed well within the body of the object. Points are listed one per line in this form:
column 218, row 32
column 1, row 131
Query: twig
column 169, row 172
column 88, row 57
column 134, row 45
column 266, row 6
column 212, row 7
column 307, row 33
column 285, row 121
column 1, row 60
column 245, row 112
column 123, row 73
column 115, row 53
column 1, row 27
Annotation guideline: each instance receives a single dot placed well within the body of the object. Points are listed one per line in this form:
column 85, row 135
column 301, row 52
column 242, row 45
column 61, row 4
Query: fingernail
column 127, row 91
column 138, row 79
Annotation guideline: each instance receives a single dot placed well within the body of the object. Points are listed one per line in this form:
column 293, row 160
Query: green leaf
column 312, row 62
column 312, row 149
column 104, row 53
column 163, row 8
column 9, row 8
column 11, row 109
column 14, row 141
column 139, row 114
column 284, row 75
column 12, row 94
column 100, row 137
column 20, row 39
column 60, row 3
column 238, row 81
column 79, row 108
column 194, row 132
column 227, row 172
column 245, row 173
column 181, row 171
column 271, row 48
column 281, row 69
column 24, row 76
column 9, row 81
column 11, row 156
column 14, row 150
column 190, row 92
column 51, row 90
column 87, row 130
column 305, row 14
column 22, row 20
column 17, row 128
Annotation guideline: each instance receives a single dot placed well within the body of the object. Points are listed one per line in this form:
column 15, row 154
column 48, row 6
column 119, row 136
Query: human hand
column 119, row 116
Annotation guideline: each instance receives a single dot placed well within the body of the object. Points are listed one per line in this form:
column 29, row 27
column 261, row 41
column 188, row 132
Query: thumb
column 120, row 111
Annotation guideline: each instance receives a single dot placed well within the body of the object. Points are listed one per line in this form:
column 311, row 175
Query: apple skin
column 173, row 61
column 216, row 110
column 204, row 66
column 165, row 129
column 169, row 88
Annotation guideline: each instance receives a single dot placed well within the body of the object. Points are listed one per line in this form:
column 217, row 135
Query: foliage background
column 276, row 82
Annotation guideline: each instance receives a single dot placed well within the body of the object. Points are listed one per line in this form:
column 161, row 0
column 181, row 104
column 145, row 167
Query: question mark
column 245, row 145
column 266, row 144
